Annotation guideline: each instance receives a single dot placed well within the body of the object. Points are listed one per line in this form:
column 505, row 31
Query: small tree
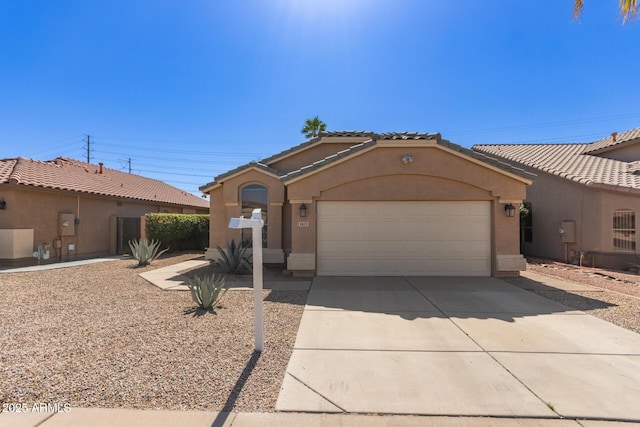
column 313, row 127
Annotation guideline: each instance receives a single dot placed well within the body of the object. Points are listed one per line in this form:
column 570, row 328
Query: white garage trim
column 404, row 238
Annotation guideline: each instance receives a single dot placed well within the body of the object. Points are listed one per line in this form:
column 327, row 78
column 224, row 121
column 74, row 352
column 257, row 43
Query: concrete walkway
column 457, row 347
column 170, row 279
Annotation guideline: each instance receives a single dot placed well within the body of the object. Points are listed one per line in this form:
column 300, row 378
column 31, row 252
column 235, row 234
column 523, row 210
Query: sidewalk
column 101, row 417
column 57, row 265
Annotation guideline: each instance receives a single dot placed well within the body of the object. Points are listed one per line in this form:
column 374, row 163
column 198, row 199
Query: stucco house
column 362, row 203
column 70, row 209
column 584, row 199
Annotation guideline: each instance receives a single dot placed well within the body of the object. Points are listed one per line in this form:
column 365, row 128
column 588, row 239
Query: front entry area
column 404, row 238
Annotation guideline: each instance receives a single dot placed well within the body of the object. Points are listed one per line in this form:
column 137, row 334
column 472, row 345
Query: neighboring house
column 74, row 209
column 360, row 203
column 583, row 202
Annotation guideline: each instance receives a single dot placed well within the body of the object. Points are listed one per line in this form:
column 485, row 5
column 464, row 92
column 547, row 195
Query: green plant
column 144, row 251
column 234, row 260
column 180, row 231
column 207, row 291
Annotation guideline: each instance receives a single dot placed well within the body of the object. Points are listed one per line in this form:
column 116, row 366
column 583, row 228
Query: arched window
column 624, row 231
column 254, row 196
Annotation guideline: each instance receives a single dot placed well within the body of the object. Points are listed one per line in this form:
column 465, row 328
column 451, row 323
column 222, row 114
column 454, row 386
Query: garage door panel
column 403, row 238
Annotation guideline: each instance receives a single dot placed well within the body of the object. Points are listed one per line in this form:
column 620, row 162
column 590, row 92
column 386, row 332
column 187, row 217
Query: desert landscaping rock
column 100, row 336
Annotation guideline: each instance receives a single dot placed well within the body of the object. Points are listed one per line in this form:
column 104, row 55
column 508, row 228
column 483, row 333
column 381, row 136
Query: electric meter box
column 568, row 231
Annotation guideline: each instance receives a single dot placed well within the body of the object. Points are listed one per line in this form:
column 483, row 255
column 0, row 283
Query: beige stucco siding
column 434, row 175
column 628, row 153
column 312, row 154
column 555, row 199
column 226, row 203
column 374, row 172
column 39, row 210
column 427, row 161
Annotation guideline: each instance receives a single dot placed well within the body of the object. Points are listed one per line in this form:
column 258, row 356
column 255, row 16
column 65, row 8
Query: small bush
column 179, row 231
column 207, row 291
column 145, row 252
column 234, row 260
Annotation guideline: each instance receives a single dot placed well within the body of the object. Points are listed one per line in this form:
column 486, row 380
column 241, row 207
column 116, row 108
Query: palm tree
column 313, row 127
column 628, row 8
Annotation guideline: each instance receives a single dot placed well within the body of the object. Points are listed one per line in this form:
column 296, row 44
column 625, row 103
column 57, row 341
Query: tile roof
column 570, row 161
column 259, row 165
column 405, row 136
column 372, row 139
column 73, row 175
column 607, row 143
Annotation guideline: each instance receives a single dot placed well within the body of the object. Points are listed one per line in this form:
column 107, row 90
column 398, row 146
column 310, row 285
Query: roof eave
column 220, row 179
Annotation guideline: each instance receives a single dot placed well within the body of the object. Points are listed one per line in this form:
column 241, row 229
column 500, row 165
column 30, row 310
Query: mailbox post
column 255, row 223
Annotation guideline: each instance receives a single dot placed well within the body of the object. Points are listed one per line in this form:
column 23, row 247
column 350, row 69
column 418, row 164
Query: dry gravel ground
column 616, row 298
column 100, row 336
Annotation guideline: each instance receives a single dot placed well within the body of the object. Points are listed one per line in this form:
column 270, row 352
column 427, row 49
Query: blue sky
column 191, row 89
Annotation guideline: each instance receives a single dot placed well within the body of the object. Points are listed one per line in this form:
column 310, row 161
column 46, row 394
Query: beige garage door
column 404, row 238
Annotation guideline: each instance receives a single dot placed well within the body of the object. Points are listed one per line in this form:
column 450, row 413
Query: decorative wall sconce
column 3, row 204
column 407, row 159
column 303, row 210
column 510, row 210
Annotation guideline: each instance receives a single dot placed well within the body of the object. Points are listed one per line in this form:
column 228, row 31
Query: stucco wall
column 629, row 153
column 226, row 203
column 434, row 175
column 327, row 147
column 555, row 199
column 39, row 210
column 377, row 173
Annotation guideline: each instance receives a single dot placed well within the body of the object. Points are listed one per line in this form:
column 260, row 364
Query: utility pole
column 88, row 148
column 129, row 165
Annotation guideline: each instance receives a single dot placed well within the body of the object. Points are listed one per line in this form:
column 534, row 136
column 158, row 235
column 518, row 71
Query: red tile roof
column 73, row 175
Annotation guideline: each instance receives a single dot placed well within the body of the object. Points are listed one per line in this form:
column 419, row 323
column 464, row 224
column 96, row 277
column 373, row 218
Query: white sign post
column 255, row 223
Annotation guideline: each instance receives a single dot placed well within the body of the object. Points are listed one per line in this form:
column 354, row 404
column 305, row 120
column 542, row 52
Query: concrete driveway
column 457, row 346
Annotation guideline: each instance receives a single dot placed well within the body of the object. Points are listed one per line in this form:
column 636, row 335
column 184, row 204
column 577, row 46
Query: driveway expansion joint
column 316, row 392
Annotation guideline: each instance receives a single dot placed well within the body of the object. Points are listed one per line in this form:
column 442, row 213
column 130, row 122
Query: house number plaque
column 303, row 223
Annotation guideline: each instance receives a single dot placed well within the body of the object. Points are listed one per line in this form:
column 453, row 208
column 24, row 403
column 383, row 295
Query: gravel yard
column 616, row 298
column 100, row 336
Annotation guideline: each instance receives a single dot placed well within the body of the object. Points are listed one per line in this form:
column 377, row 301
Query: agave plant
column 207, row 291
column 144, row 251
column 234, row 260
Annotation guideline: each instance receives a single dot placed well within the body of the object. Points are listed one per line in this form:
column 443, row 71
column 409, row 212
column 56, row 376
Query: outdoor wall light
column 3, row 204
column 407, row 159
column 510, row 210
column 303, row 210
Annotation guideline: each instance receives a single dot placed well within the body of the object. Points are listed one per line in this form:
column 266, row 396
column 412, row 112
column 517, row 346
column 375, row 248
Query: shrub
column 234, row 260
column 144, row 251
column 206, row 291
column 179, row 231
